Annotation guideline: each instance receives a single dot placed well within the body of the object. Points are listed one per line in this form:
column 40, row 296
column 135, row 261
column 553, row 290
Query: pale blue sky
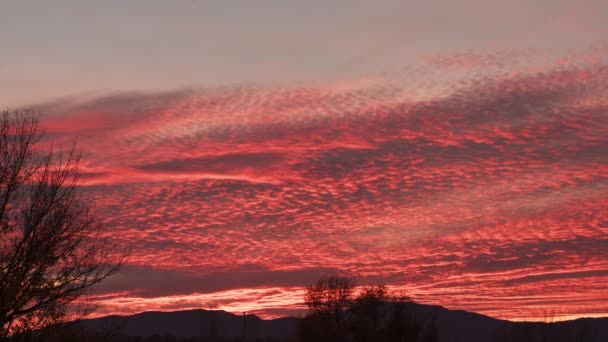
column 65, row 47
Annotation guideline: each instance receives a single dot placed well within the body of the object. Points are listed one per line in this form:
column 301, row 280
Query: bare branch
column 52, row 247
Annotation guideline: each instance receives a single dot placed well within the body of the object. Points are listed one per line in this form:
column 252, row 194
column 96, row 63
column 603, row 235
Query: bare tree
column 328, row 300
column 330, row 295
column 52, row 249
column 372, row 313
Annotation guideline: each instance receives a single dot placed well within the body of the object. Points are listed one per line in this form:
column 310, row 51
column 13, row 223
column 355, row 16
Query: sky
column 455, row 150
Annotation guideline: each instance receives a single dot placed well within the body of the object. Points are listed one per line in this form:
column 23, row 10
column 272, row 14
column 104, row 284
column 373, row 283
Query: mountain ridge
column 452, row 326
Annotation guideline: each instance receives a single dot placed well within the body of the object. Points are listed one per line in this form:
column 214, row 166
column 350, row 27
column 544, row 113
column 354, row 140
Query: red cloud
column 491, row 198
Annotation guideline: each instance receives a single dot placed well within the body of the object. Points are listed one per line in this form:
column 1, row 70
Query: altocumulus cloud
column 481, row 196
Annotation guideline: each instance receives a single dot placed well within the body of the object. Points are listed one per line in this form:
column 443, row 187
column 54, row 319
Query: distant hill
column 192, row 323
column 464, row 326
column 452, row 325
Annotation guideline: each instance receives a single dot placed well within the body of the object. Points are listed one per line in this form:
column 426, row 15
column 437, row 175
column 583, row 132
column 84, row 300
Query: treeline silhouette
column 338, row 312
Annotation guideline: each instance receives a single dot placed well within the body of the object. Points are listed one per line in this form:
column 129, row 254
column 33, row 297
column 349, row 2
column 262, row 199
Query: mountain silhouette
column 452, row 325
column 192, row 323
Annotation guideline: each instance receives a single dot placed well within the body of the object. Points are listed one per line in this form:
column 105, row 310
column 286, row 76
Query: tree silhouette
column 374, row 313
column 330, row 295
column 328, row 299
column 51, row 246
column 370, row 313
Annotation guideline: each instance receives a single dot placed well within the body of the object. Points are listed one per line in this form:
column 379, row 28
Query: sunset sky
column 457, row 150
